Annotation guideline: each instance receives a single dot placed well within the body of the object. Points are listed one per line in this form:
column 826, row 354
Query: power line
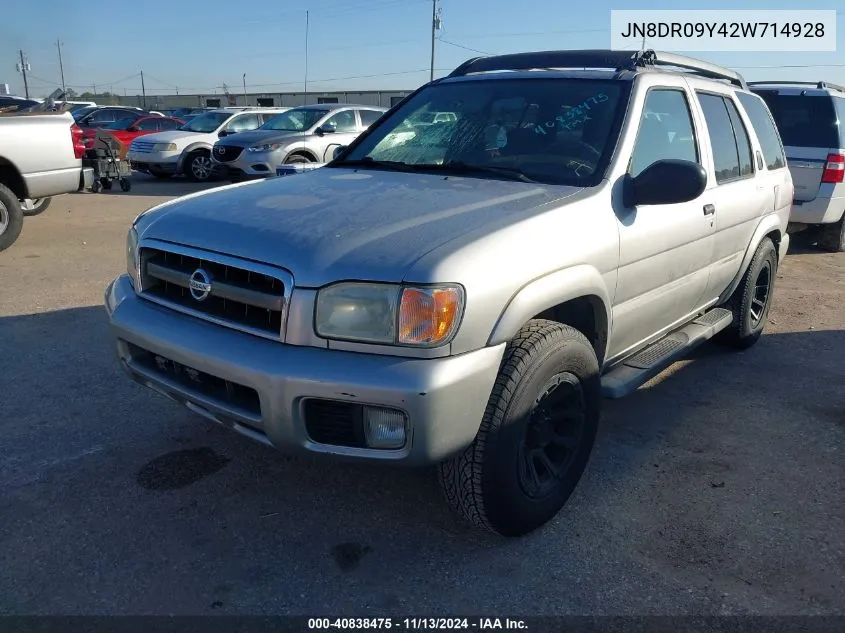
column 466, row 48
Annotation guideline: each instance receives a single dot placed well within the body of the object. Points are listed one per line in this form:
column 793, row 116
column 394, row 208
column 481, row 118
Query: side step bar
column 635, row 371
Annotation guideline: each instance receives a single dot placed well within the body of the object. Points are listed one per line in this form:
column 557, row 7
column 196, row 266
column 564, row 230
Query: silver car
column 806, row 116
column 464, row 293
column 309, row 134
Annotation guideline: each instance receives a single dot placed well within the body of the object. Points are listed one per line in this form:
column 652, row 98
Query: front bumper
column 443, row 399
column 249, row 164
column 153, row 161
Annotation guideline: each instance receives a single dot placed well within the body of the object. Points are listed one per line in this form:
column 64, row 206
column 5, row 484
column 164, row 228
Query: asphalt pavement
column 716, row 489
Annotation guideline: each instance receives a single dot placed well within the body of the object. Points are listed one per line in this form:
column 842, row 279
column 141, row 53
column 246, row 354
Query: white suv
column 806, row 115
column 188, row 150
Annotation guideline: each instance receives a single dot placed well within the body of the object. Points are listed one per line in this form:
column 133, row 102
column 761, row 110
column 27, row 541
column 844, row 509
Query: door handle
column 709, row 209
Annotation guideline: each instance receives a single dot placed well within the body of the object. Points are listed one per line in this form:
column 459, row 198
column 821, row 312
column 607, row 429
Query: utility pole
column 305, row 96
column 22, row 68
column 244, row 79
column 61, row 66
column 143, row 91
column 436, row 23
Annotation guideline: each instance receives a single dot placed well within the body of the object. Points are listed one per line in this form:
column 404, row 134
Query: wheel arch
column 301, row 151
column 769, row 227
column 574, row 296
column 190, row 149
column 11, row 176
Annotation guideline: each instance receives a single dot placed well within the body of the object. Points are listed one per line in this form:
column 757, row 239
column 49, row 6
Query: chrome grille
column 142, row 147
column 240, row 294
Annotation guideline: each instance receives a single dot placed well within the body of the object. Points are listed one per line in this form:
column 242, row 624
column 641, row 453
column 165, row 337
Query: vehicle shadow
column 805, row 243
column 146, row 185
column 682, row 485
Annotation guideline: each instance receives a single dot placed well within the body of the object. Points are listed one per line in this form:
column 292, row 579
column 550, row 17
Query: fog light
column 384, row 428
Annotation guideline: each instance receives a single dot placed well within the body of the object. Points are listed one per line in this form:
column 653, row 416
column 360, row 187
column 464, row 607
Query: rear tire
column 536, row 434
column 11, row 218
column 752, row 299
column 39, row 206
column 832, row 236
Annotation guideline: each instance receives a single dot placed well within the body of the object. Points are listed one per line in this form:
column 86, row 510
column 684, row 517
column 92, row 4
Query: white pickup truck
column 40, row 156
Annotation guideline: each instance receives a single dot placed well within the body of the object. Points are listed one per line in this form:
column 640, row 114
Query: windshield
column 804, row 120
column 295, row 120
column 207, row 122
column 557, row 131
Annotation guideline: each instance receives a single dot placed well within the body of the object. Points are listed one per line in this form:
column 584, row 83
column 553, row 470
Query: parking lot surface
column 715, row 489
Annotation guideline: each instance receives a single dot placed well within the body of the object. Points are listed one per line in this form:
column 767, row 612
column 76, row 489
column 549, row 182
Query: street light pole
column 61, row 66
column 305, row 97
column 244, row 79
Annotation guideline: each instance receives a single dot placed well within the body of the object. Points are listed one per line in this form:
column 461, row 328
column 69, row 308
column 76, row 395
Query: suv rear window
column 805, row 120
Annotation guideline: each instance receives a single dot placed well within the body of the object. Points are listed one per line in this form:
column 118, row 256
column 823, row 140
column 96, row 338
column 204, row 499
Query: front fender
column 768, row 224
column 547, row 292
column 191, row 148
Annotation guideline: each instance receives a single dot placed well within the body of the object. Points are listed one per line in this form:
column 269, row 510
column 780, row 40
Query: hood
column 171, row 136
column 331, row 223
column 254, row 137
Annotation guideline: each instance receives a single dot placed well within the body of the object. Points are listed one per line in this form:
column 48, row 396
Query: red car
column 128, row 129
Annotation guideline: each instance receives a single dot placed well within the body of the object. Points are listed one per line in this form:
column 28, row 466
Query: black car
column 99, row 116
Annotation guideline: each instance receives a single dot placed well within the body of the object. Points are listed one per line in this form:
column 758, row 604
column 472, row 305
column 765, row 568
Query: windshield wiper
column 395, row 165
column 459, row 167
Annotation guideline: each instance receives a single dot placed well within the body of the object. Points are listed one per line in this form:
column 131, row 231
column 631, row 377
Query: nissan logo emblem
column 199, row 285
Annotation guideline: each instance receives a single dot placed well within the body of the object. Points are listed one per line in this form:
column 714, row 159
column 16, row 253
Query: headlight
column 389, row 314
column 132, row 262
column 269, row 147
column 164, row 147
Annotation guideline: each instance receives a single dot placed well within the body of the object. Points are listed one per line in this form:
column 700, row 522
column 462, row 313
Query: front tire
column 35, row 207
column 536, row 434
column 832, row 237
column 297, row 159
column 198, row 166
column 11, row 218
column 752, row 299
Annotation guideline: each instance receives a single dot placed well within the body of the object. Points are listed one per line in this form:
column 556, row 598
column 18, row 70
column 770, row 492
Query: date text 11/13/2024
column 418, row 624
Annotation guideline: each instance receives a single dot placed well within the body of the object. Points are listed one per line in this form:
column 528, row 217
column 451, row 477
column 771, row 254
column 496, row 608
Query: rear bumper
column 443, row 399
column 818, row 211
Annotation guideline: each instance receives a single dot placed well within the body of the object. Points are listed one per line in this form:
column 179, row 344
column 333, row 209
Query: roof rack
column 597, row 58
column 821, row 85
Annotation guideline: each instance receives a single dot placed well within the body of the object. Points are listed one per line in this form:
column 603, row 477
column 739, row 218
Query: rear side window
column 839, row 105
column 804, row 120
column 743, row 144
column 368, row 117
column 722, row 138
column 763, row 125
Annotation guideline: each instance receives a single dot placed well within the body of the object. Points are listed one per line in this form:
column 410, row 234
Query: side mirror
column 133, row 128
column 669, row 181
column 337, row 151
column 325, row 129
column 223, row 133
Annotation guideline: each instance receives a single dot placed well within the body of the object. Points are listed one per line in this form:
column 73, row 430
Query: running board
column 647, row 363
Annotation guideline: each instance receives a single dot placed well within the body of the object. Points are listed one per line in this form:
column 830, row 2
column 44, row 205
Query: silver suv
column 811, row 121
column 465, row 292
column 309, row 134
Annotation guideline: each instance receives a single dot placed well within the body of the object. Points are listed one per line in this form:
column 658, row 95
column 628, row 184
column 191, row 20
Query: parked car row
column 241, row 143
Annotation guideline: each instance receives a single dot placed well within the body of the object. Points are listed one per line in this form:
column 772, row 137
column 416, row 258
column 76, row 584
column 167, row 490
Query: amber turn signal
column 429, row 316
